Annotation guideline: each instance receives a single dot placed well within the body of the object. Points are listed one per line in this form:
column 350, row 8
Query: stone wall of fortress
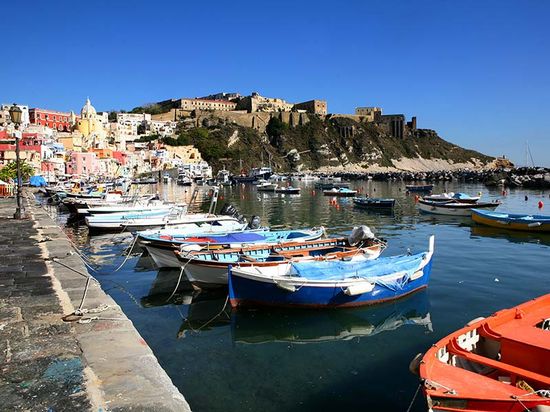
column 257, row 120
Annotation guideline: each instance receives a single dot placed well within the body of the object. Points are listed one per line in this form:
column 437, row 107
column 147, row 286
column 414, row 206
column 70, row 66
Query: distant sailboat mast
column 528, row 156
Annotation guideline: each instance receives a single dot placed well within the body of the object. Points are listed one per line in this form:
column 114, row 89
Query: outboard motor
column 228, row 210
column 254, row 222
column 359, row 234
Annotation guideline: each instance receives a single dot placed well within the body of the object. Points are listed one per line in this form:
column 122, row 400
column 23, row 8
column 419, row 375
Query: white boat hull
column 450, row 211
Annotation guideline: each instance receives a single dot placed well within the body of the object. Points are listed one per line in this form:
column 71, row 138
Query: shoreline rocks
column 532, row 178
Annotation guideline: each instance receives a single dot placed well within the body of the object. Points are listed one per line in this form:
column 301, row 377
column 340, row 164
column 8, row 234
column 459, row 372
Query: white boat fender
column 475, row 320
column 416, row 275
column 414, row 365
column 190, row 248
column 534, row 224
column 286, row 286
column 363, row 287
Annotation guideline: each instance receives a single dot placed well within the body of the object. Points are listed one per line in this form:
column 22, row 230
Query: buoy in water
column 541, row 204
column 526, row 198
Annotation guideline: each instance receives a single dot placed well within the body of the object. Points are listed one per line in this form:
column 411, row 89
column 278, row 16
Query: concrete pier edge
column 122, row 373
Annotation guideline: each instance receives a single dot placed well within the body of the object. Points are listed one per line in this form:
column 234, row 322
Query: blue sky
column 476, row 71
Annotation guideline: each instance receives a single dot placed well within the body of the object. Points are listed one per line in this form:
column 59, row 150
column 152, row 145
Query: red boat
column 500, row 363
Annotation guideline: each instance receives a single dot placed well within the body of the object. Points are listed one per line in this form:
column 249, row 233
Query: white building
column 133, row 118
column 162, row 128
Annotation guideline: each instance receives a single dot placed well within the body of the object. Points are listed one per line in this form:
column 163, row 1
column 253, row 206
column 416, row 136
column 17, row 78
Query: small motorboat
column 453, row 207
column 503, row 220
column 444, row 197
column 340, row 192
column 373, row 203
column 145, row 181
column 267, row 187
column 499, row 363
column 419, row 188
column 331, row 283
column 184, row 180
column 289, row 190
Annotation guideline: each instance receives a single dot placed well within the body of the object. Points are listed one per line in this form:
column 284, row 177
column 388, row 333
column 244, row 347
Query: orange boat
column 500, row 363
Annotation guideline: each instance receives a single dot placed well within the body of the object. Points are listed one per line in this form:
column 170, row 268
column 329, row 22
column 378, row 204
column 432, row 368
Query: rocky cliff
column 331, row 145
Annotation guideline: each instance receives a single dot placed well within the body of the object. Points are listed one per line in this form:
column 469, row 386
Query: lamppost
column 15, row 115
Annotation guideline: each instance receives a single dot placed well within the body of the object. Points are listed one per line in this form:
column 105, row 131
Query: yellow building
column 70, row 141
column 91, row 127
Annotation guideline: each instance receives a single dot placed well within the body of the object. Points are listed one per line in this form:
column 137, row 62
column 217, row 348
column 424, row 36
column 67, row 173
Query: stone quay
column 52, row 359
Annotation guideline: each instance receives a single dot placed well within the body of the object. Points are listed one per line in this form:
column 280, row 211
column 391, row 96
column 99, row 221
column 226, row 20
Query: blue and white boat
column 161, row 243
column 209, row 268
column 336, row 283
column 445, row 197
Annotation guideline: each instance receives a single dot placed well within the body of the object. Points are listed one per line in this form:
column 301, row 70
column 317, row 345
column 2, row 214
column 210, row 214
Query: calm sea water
column 347, row 359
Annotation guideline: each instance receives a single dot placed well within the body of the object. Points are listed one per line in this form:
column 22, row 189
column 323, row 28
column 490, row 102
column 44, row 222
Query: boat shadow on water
column 433, row 219
column 510, row 235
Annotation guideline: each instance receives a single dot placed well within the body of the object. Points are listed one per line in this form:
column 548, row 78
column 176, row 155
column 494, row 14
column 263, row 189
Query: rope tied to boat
column 414, row 397
column 128, row 253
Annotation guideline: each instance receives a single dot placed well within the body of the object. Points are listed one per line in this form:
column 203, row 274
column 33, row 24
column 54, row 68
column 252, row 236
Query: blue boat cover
column 228, row 238
column 37, row 181
column 372, row 270
column 462, row 196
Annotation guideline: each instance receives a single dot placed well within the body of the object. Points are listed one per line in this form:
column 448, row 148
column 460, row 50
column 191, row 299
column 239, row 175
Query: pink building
column 82, row 164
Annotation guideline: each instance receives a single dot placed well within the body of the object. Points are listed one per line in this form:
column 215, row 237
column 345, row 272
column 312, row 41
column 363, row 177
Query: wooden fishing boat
column 330, row 283
column 501, row 363
column 460, row 197
column 503, row 220
column 161, row 244
column 340, row 192
column 209, row 268
column 419, row 188
column 453, row 207
column 373, row 203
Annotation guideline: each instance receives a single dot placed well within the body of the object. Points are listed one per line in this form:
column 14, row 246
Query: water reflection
column 170, row 286
column 306, row 326
column 478, row 231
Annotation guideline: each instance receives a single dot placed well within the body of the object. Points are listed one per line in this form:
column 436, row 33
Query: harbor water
column 310, row 360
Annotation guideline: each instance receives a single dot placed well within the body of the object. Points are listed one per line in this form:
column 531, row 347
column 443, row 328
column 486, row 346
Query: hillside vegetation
column 318, row 144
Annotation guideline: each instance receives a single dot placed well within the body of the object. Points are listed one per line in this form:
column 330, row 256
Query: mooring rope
column 414, row 397
column 128, row 253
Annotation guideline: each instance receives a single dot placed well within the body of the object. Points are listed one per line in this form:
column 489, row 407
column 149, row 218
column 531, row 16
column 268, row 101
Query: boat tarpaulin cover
column 392, row 272
column 37, row 181
column 229, row 238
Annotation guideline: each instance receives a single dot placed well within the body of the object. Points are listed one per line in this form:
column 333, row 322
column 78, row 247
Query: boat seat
column 455, row 349
column 522, row 343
